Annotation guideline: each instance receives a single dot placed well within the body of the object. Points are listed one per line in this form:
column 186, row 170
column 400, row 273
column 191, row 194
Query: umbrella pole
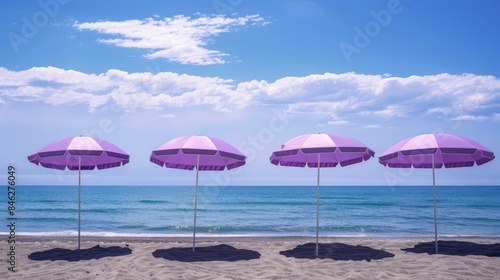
column 435, row 214
column 196, row 199
column 79, row 183
column 317, row 211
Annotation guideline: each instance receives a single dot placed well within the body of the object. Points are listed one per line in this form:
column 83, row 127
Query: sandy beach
column 251, row 258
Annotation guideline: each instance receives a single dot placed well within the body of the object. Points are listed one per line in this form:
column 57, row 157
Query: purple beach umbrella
column 435, row 151
column 200, row 152
column 321, row 150
column 79, row 153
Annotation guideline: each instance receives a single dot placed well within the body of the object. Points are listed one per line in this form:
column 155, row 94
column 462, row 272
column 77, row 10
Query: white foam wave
column 71, row 233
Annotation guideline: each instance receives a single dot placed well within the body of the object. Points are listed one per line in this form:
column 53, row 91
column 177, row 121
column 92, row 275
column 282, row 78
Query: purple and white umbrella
column 79, row 153
column 435, row 151
column 320, row 150
column 200, row 152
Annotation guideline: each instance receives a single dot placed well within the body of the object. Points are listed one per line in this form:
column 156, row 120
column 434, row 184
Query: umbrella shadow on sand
column 96, row 252
column 456, row 248
column 337, row 251
column 202, row 254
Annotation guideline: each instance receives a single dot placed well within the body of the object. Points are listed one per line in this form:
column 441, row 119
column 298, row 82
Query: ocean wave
column 165, row 235
column 353, row 211
column 70, row 233
column 151, row 201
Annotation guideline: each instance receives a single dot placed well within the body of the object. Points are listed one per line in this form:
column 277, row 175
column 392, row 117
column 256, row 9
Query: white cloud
column 437, row 110
column 496, row 117
column 338, row 98
column 328, row 85
column 54, row 86
column 322, row 107
column 118, row 88
column 372, row 126
column 471, row 118
column 393, row 111
column 179, row 39
column 338, row 122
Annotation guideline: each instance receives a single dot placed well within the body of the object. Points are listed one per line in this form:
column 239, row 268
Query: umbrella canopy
column 435, row 151
column 183, row 153
column 448, row 150
column 79, row 153
column 200, row 152
column 65, row 153
column 320, row 150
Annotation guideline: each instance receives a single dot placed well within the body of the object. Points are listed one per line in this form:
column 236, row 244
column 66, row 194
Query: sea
column 365, row 211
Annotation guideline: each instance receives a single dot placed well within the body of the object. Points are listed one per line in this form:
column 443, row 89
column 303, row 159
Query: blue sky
column 253, row 73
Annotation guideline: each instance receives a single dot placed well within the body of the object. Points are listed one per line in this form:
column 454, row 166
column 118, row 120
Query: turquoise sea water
column 256, row 210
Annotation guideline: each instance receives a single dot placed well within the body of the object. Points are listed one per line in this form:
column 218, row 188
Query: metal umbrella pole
column 79, row 184
column 317, row 209
column 435, row 212
column 196, row 199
